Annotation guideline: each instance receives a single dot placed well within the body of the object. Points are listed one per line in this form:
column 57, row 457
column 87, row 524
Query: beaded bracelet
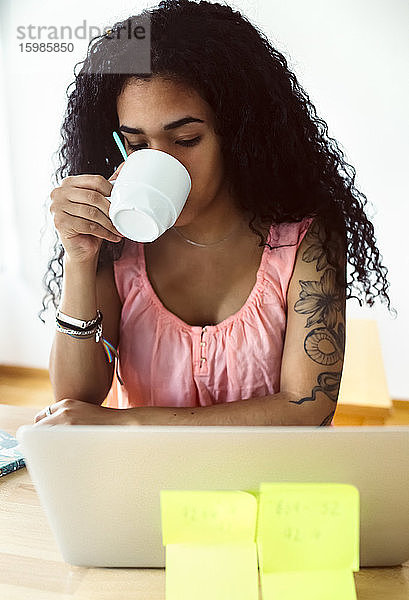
column 97, row 331
column 88, row 333
column 78, row 324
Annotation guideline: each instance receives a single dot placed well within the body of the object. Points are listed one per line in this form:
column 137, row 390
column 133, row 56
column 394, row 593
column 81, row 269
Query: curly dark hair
column 279, row 161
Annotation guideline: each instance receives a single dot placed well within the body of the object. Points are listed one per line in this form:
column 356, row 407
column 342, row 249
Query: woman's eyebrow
column 172, row 125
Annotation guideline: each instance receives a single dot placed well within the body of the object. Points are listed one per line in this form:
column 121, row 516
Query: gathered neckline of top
column 170, row 316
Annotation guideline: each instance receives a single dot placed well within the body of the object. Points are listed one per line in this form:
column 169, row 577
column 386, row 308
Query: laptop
column 100, row 485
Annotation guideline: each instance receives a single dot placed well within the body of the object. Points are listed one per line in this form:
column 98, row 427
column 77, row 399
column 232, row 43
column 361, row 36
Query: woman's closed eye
column 191, row 142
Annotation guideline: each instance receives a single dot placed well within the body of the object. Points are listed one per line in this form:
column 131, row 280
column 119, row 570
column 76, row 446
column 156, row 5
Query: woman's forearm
column 276, row 409
column 78, row 367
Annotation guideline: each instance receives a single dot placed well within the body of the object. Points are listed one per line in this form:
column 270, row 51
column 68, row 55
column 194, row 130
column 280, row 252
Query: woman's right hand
column 81, row 215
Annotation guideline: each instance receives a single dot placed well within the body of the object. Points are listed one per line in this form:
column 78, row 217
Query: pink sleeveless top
column 166, row 362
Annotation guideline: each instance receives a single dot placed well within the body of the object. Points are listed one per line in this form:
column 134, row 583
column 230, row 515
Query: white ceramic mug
column 148, row 195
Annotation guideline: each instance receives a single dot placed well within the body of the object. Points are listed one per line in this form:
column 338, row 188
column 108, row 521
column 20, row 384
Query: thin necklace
column 206, row 245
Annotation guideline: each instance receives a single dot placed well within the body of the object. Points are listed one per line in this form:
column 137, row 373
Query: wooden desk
column 31, row 566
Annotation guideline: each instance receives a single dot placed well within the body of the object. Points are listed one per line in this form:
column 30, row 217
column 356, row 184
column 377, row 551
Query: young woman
column 236, row 314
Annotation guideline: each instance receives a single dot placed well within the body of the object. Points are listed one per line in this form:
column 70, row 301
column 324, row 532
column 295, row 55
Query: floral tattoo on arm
column 323, row 301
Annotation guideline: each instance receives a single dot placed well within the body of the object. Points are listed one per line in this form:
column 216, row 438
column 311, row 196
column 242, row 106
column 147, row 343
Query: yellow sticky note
column 308, row 526
column 255, row 493
column 308, row 585
column 208, row 517
column 212, row 572
column 210, row 544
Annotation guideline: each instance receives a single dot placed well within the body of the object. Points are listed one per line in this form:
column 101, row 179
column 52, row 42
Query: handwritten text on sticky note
column 305, row 526
column 207, row 516
column 210, row 544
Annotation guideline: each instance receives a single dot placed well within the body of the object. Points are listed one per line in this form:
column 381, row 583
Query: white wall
column 350, row 58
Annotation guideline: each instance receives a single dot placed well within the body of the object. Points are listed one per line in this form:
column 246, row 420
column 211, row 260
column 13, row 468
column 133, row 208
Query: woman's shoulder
column 280, row 254
column 289, row 234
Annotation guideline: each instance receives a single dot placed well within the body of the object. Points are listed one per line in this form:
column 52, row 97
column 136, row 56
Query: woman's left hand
column 77, row 412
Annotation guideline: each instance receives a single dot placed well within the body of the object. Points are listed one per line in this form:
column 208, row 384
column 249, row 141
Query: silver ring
column 48, row 411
